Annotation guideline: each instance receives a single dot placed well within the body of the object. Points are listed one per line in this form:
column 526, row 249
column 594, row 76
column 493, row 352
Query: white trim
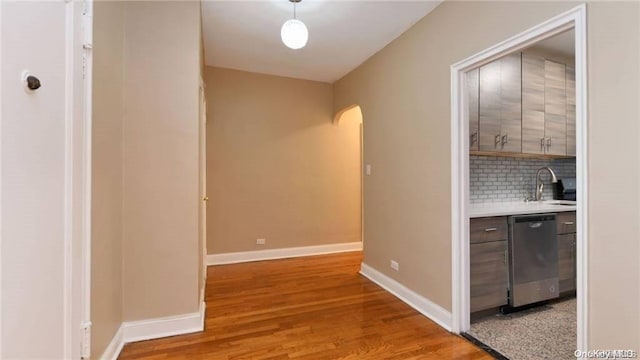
column 87, row 53
column 459, row 187
column 69, row 119
column 574, row 18
column 164, row 327
column 582, row 249
column 421, row 304
column 1, row 122
column 115, row 346
column 271, row 254
column 149, row 329
column 203, row 313
column 202, row 168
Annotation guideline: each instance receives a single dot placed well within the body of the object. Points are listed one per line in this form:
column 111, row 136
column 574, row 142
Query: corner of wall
column 420, row 303
column 150, row 329
column 157, row 146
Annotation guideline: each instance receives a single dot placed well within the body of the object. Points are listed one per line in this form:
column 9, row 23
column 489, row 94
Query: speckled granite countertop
column 520, row 207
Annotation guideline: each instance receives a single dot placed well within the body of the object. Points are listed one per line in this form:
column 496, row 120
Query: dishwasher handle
column 534, row 219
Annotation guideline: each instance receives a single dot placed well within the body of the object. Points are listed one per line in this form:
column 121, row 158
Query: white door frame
column 576, row 19
column 1, row 184
column 78, row 179
column 85, row 41
column 203, row 201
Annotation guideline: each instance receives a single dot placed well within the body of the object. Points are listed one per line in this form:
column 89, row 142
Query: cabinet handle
column 497, row 140
column 548, row 143
column 568, row 222
column 542, row 144
column 506, row 256
column 505, row 139
column 490, row 229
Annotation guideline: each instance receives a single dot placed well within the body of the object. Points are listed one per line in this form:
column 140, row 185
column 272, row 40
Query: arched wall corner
column 350, row 112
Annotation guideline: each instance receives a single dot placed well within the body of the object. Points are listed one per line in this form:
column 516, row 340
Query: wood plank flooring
column 305, row 308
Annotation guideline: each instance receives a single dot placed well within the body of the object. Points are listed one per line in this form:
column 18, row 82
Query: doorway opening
column 466, row 141
column 351, row 116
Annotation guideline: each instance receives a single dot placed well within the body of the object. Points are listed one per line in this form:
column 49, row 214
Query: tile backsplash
column 501, row 179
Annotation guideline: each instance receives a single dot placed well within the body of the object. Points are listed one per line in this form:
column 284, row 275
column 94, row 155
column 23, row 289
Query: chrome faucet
column 540, row 184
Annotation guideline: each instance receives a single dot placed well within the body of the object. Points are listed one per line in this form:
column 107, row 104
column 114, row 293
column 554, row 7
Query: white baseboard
column 423, row 305
column 132, row 331
column 271, row 254
column 115, row 346
column 163, row 327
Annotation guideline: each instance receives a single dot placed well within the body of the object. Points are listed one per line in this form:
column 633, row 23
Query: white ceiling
column 563, row 44
column 245, row 35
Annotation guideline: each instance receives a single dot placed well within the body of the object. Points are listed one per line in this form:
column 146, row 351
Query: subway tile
column 509, row 179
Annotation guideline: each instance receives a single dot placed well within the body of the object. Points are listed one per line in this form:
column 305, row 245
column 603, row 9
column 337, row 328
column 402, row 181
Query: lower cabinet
column 488, row 275
column 567, row 262
column 567, row 272
column 488, row 262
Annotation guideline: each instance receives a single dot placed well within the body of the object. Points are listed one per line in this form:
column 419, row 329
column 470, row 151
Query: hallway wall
column 161, row 196
column 404, row 92
column 145, row 241
column 107, row 186
column 278, row 168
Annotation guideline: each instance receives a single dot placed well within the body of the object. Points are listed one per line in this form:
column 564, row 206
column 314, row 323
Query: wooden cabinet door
column 533, row 141
column 473, row 87
column 500, row 111
column 489, row 110
column 511, row 103
column 566, row 222
column 488, row 270
column 567, row 262
column 487, row 229
column 571, row 110
column 555, row 108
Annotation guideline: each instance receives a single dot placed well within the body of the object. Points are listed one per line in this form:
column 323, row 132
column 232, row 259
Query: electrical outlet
column 261, row 241
column 367, row 169
column 395, row 266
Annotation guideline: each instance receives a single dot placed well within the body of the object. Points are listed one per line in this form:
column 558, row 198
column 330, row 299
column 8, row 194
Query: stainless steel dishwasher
column 533, row 259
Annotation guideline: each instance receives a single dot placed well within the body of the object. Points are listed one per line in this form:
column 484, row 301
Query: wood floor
column 305, row 308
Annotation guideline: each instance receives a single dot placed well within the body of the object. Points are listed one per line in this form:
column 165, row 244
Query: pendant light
column 294, row 32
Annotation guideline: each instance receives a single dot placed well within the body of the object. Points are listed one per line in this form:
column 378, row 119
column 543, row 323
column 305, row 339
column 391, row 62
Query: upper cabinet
column 533, row 104
column 473, row 86
column 525, row 105
column 555, row 108
column 544, row 106
column 571, row 110
column 500, row 111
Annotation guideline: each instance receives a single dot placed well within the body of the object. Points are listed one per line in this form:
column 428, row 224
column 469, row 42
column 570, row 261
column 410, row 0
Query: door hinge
column 84, row 66
column 85, row 346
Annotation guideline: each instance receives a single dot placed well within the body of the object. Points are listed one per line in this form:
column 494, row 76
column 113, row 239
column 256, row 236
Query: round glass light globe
column 294, row 34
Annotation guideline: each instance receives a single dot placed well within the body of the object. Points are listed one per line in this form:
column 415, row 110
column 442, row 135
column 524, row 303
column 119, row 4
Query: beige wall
column 404, row 92
column 277, row 167
column 106, row 214
column 160, row 243
column 614, row 209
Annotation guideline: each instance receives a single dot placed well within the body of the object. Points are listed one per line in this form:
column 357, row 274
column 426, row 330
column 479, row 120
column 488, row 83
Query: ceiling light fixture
column 294, row 32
